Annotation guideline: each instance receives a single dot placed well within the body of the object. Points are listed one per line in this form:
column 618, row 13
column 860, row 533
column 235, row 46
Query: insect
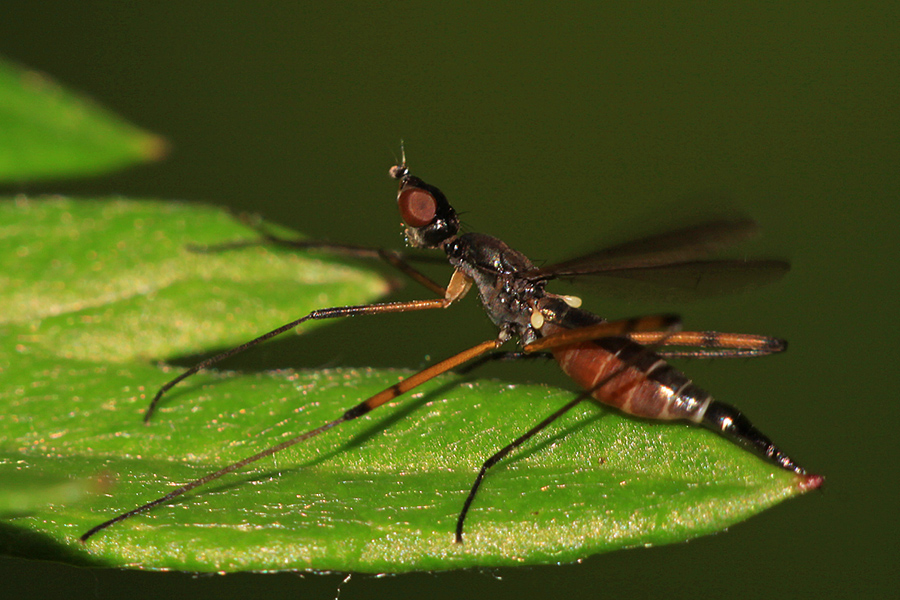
column 620, row 363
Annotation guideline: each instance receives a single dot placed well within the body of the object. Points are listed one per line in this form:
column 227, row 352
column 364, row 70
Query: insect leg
column 622, row 327
column 326, row 313
column 712, row 344
column 396, row 259
column 608, row 328
column 359, row 410
column 503, row 452
column 588, row 333
column 706, row 344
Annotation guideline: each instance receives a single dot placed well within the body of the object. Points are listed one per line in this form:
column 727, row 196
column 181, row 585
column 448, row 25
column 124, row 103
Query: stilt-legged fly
column 620, row 363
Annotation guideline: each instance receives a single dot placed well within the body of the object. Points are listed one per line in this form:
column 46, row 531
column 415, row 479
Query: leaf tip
column 154, row 147
column 807, row 483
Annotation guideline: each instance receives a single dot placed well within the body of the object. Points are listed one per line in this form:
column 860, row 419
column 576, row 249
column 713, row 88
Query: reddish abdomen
column 633, row 379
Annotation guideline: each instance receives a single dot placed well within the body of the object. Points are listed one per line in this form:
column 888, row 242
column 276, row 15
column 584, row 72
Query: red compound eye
column 417, row 207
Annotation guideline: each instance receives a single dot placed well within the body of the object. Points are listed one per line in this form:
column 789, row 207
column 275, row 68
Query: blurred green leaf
column 378, row 494
column 23, row 491
column 48, row 132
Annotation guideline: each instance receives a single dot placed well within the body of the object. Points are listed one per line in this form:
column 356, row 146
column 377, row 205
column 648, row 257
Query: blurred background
column 557, row 127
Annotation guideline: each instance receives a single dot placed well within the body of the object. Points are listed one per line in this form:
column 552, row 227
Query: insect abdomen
column 633, row 379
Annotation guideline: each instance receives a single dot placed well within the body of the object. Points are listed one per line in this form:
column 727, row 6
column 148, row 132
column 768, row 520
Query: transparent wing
column 674, row 261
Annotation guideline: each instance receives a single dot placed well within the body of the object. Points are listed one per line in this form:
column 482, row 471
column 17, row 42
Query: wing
column 675, row 261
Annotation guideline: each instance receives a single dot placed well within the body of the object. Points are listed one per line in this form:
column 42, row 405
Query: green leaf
column 47, row 132
column 378, row 494
column 114, row 281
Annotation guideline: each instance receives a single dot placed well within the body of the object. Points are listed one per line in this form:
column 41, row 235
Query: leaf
column 46, row 131
column 114, row 280
column 378, row 494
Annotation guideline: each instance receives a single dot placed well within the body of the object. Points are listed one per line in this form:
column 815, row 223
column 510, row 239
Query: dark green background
column 556, row 127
